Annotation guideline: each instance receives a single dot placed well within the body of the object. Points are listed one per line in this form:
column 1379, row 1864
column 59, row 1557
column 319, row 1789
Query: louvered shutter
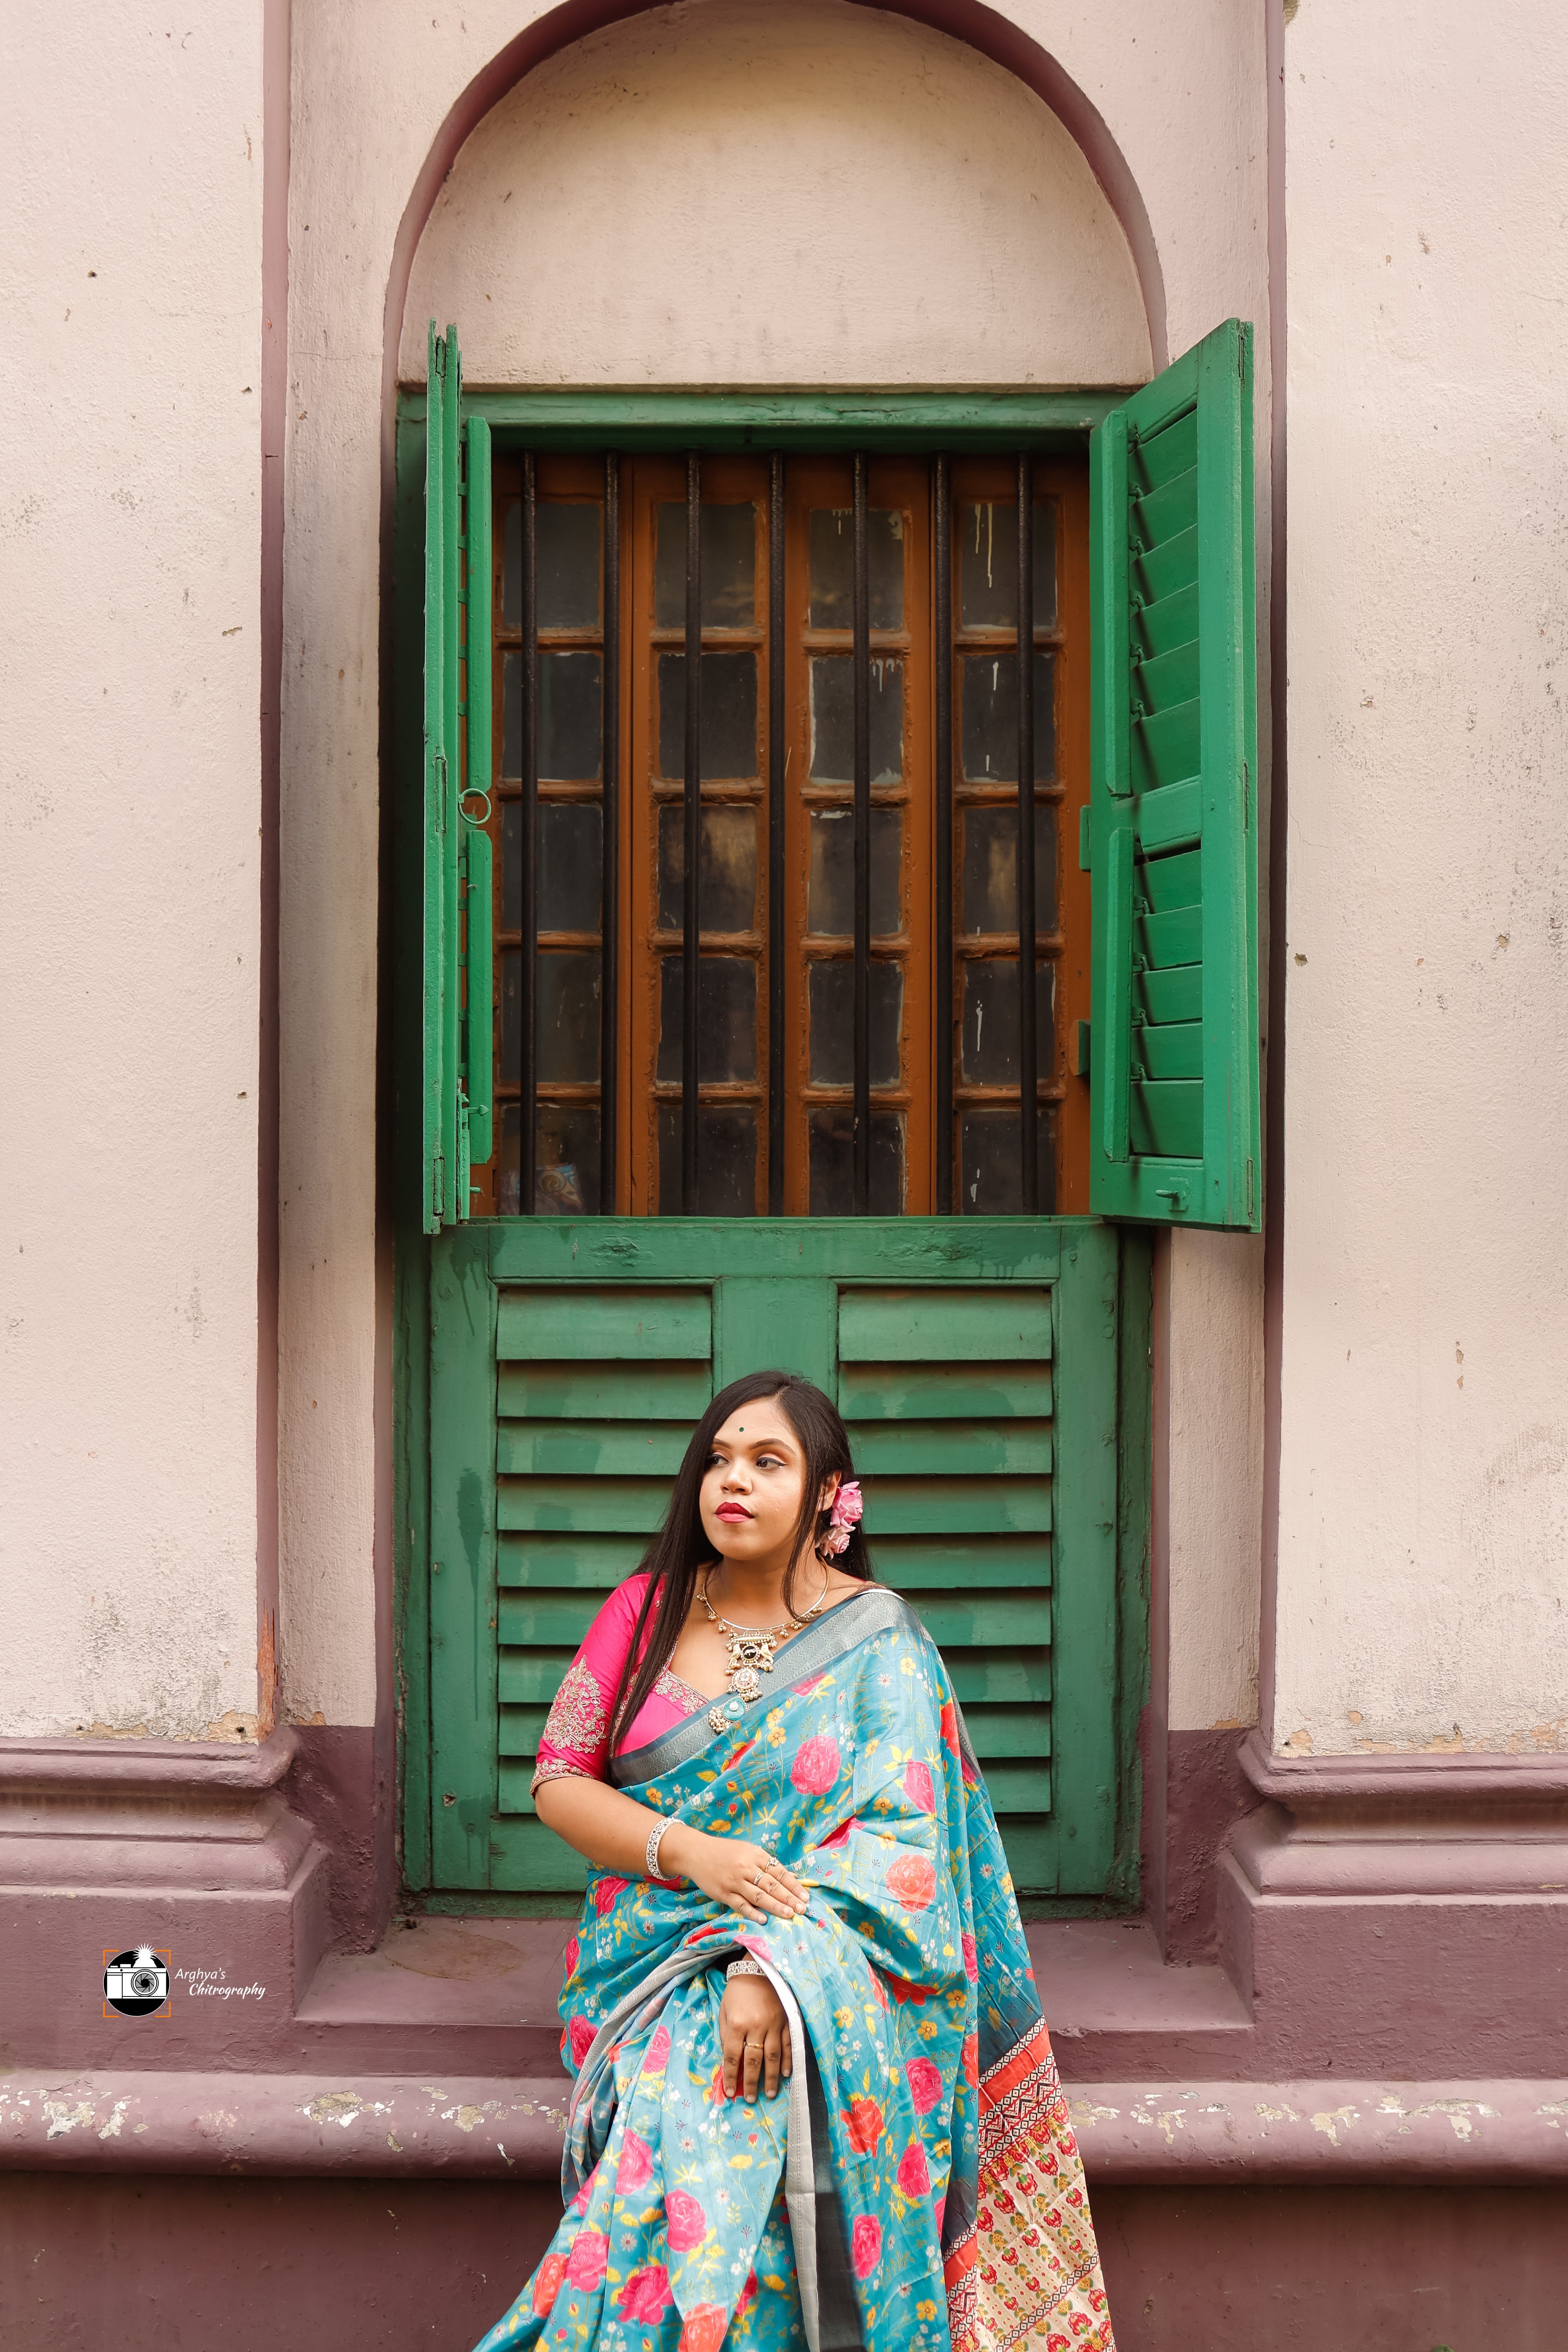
column 981, row 1372
column 1171, row 829
column 456, row 1120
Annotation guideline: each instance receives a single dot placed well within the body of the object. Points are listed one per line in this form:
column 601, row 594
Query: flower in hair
column 843, row 1519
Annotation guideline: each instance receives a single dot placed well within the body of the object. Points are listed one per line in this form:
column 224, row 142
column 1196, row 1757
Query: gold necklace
column 751, row 1646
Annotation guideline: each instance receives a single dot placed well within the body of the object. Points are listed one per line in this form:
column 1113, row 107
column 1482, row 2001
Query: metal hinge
column 437, row 1183
column 1246, row 796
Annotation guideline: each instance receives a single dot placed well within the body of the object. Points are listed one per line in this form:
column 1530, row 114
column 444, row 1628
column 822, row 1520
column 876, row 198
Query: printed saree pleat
column 916, row 2184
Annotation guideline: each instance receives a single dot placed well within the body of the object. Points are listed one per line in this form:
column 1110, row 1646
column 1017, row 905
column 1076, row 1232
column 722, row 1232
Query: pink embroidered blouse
column 576, row 1738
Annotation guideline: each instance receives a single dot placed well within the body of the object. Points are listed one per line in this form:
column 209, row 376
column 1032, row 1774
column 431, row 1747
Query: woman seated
column 800, row 2117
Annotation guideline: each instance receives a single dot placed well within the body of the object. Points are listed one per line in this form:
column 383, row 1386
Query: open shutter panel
column 1171, row 831
column 478, row 1000
column 441, row 781
column 457, row 1120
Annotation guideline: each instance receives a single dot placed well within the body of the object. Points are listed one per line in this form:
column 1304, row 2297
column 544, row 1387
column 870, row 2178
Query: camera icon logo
column 136, row 1982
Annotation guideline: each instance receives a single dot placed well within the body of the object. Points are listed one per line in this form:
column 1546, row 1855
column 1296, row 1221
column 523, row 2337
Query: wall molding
column 1244, row 2134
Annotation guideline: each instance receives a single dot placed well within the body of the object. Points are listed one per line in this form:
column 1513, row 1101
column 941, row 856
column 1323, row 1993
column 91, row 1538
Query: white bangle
column 652, row 1853
column 745, row 1967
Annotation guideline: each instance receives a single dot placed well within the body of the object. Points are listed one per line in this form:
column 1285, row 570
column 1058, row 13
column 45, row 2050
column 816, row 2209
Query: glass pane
column 511, row 1031
column 572, row 855
column 568, row 1017
column 566, row 565
column 566, row 1160
column 834, row 720
column 726, row 871
column 990, row 869
column 570, row 718
column 989, row 565
column 727, row 1159
column 989, row 1176
column 831, row 1161
column 728, row 540
column 511, row 866
column 831, row 883
column 727, row 1019
column 990, row 989
column 990, row 718
column 511, row 716
column 833, row 563
column 729, row 716
column 831, row 989
column 512, row 565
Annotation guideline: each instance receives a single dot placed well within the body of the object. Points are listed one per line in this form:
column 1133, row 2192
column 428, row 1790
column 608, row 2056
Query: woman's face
column 752, row 1487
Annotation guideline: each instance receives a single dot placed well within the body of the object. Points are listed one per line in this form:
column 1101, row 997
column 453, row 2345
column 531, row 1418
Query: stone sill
column 1210, row 2133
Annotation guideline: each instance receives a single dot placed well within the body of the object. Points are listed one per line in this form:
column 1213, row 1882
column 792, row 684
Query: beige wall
column 1424, row 1537
column 129, row 560
column 750, row 194
column 1184, row 95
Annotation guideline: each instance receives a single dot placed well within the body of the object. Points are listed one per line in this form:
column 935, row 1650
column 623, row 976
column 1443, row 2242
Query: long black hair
column 681, row 1548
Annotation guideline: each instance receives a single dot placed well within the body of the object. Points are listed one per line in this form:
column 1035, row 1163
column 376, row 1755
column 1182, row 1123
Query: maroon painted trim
column 246, row 2123
column 390, row 2126
column 275, row 157
column 166, row 1766
column 1257, row 2134
column 1278, row 811
column 1409, row 1783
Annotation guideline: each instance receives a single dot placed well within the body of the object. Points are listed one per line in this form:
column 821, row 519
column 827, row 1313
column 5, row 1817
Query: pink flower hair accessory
column 843, row 1519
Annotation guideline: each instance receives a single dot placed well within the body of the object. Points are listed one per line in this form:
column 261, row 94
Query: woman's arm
column 611, row 1830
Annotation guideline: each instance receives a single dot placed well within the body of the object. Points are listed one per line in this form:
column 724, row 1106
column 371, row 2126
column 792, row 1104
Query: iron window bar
column 527, row 972
column 609, row 891
column 1028, row 1085
column 690, row 940
column 775, row 826
column 941, row 560
column 861, row 1197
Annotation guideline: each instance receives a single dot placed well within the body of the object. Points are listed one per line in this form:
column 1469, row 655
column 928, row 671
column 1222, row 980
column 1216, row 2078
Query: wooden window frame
column 982, row 434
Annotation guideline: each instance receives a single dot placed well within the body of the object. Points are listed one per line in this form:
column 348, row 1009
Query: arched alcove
column 744, row 192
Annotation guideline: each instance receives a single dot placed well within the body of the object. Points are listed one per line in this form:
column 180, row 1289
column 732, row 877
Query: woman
column 799, row 2118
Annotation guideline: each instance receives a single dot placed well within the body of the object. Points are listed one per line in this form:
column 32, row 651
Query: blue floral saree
column 916, row 2183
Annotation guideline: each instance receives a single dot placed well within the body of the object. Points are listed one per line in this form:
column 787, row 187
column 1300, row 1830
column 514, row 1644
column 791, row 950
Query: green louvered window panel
column 597, row 1394
column 984, row 1371
column 1171, row 832
column 946, row 1395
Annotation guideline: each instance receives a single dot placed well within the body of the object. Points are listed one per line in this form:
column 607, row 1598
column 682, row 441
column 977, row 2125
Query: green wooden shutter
column 1170, row 835
column 457, row 1027
column 478, row 941
column 981, row 1372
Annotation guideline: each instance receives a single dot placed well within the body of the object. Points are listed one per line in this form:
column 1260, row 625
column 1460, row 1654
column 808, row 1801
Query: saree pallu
column 916, row 2183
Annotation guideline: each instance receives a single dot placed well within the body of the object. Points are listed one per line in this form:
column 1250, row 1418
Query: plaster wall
column 129, row 561
column 1183, row 94
column 1424, row 1488
column 754, row 194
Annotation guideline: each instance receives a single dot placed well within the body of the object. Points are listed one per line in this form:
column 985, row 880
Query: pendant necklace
column 751, row 1646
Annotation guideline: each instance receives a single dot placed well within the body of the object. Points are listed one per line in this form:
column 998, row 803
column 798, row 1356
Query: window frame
column 992, row 424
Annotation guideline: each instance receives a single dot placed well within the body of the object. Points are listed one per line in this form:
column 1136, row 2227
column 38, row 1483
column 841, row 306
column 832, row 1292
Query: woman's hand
column 742, row 1876
column 753, row 2038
